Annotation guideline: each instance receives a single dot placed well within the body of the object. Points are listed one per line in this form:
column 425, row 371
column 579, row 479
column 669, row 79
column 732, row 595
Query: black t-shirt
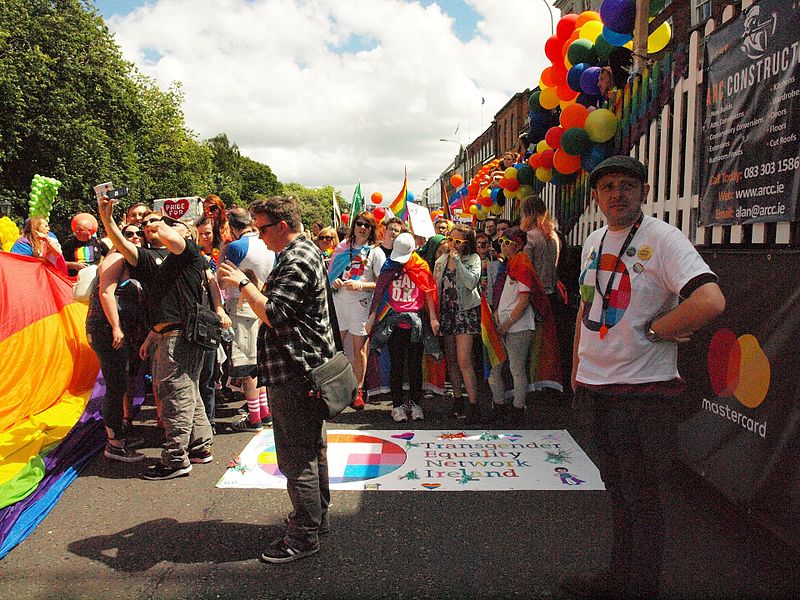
column 89, row 252
column 173, row 286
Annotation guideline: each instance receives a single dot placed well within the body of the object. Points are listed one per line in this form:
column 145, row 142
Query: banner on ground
column 425, row 461
column 743, row 435
column 749, row 146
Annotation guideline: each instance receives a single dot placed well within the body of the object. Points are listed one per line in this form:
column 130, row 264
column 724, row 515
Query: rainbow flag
column 493, row 351
column 399, row 205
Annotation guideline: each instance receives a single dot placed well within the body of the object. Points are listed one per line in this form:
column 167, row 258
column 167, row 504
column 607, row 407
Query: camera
column 117, row 194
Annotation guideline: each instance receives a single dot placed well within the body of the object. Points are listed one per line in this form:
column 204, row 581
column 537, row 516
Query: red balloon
column 456, row 180
column 566, row 25
column 547, row 77
column 535, row 161
column 512, row 185
column 566, row 93
column 547, row 158
column 378, row 212
column 573, row 115
column 566, row 163
column 376, row 197
column 559, row 74
column 553, row 137
column 552, row 49
column 345, row 218
column 473, row 188
column 503, row 182
column 485, row 201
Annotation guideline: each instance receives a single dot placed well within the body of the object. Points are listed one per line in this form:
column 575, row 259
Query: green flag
column 357, row 205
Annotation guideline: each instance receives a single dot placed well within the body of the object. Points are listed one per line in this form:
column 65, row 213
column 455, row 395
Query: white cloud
column 273, row 76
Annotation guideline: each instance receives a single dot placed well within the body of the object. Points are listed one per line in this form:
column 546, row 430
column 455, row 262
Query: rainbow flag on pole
column 399, row 205
column 493, row 351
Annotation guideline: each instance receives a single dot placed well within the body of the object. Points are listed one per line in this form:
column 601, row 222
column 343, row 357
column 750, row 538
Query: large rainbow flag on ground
column 48, row 374
column 399, row 205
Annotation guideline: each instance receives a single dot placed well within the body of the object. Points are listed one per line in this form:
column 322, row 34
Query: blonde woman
column 38, row 242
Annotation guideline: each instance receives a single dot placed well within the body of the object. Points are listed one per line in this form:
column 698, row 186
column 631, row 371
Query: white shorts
column 352, row 316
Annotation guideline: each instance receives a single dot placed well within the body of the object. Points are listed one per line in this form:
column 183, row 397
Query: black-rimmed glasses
column 129, row 233
column 263, row 228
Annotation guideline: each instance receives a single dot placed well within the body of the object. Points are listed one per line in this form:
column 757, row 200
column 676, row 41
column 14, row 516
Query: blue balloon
column 589, row 80
column 540, row 123
column 495, row 192
column 616, row 39
column 575, row 74
column 410, row 196
column 586, row 100
column 596, row 154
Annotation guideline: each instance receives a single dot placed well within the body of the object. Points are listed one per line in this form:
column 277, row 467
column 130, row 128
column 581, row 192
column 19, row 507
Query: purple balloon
column 589, row 79
column 618, row 15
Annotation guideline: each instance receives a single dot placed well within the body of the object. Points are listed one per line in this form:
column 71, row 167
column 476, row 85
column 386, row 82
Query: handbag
column 85, row 284
column 334, row 384
column 203, row 325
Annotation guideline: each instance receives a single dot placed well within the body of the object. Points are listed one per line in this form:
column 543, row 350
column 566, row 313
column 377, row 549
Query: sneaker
column 416, row 412
column 499, row 412
column 266, row 419
column 245, row 424
column 458, row 407
column 161, row 472
column 358, row 403
column 200, row 457
column 280, row 552
column 473, row 416
column 399, row 414
column 122, row 454
column 603, row 584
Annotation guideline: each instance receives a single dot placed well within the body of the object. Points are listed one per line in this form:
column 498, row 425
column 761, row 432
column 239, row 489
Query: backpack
column 85, row 284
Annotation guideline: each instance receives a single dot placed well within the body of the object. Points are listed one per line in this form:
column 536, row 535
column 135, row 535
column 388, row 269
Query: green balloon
column 602, row 48
column 533, row 102
column 575, row 141
column 581, row 51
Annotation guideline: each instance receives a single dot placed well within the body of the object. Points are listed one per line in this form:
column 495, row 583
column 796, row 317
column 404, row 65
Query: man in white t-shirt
column 635, row 271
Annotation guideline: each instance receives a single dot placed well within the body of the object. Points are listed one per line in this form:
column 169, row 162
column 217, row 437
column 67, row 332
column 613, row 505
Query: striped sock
column 253, row 410
column 264, row 406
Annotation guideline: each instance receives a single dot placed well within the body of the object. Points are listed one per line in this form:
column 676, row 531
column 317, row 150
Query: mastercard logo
column 737, row 366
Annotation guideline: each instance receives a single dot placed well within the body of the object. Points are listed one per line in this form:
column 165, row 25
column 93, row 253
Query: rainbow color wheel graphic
column 358, row 457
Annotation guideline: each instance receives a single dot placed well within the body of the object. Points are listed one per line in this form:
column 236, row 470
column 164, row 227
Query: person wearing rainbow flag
column 82, row 248
column 405, row 294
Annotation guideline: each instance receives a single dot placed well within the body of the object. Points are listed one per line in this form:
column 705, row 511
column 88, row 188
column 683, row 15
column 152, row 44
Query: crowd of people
column 289, row 299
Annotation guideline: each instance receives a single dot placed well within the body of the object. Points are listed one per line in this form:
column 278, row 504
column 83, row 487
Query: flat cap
column 619, row 164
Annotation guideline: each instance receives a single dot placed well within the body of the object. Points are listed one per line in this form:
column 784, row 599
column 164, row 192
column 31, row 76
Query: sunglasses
column 132, row 232
column 151, row 221
column 213, row 208
column 506, row 242
column 325, row 238
column 483, row 244
column 394, row 231
column 456, row 241
column 362, row 224
column 263, row 229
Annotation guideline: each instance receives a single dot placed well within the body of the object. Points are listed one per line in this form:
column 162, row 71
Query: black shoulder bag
column 203, row 325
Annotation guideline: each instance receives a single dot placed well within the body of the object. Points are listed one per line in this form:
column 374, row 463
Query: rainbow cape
column 341, row 258
column 418, row 271
column 493, row 351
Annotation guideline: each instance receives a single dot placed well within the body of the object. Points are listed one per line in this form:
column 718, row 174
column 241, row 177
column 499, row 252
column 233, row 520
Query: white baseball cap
column 403, row 247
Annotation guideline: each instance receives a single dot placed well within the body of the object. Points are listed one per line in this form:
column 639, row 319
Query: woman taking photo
column 353, row 270
column 457, row 276
column 515, row 322
column 115, row 331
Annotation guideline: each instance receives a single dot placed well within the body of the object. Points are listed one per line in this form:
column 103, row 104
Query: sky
column 330, row 92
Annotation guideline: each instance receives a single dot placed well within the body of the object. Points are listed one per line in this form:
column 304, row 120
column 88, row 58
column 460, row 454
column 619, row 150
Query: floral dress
column 452, row 319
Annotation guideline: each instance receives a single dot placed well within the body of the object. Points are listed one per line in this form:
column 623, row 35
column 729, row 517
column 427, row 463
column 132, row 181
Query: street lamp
column 5, row 208
column 550, row 10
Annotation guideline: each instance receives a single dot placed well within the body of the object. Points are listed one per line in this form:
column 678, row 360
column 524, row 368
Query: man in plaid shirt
column 297, row 338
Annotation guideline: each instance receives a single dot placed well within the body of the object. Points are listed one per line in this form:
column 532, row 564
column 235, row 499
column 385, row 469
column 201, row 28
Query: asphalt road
column 114, row 535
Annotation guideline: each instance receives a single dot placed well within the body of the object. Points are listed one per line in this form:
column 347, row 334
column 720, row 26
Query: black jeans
column 114, row 364
column 634, row 438
column 302, row 456
column 406, row 358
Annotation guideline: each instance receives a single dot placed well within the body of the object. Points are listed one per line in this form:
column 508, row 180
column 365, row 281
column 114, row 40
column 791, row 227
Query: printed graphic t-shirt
column 365, row 266
column 508, row 300
column 659, row 261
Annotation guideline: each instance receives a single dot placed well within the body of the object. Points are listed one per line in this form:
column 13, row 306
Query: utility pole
column 640, row 31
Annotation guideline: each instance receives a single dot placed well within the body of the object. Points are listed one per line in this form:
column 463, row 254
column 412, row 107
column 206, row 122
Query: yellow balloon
column 544, row 174
column 548, row 98
column 628, row 45
column 542, row 85
column 659, row 39
column 591, row 30
column 485, row 192
column 601, row 125
column 496, row 209
column 542, row 146
column 510, row 173
column 473, row 209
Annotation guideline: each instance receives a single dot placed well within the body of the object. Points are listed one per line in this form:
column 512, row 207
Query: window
column 701, row 12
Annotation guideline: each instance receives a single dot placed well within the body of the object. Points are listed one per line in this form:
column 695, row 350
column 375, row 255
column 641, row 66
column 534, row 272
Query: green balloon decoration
column 575, row 141
column 603, row 49
column 581, row 51
column 533, row 102
column 43, row 193
column 525, row 175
